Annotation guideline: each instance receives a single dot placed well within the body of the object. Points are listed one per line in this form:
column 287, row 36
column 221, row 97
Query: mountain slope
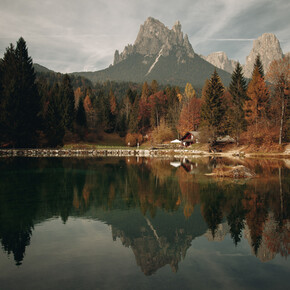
column 166, row 71
column 41, row 69
column 158, row 53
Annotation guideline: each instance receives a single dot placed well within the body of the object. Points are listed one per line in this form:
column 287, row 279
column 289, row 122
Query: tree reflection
column 153, row 207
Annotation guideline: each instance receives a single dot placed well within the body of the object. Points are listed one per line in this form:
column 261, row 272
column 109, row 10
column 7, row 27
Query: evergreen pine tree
column 238, row 91
column 68, row 102
column 29, row 97
column 212, row 110
column 259, row 65
column 131, row 95
column 55, row 119
column 107, row 120
column 20, row 102
column 8, row 97
column 81, row 119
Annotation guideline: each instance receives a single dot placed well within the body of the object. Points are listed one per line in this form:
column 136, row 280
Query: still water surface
column 116, row 223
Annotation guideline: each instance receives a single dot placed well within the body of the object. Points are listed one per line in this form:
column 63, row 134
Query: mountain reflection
column 155, row 207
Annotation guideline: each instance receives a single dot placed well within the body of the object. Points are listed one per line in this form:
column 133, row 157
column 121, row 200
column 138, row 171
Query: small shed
column 176, row 141
column 190, row 138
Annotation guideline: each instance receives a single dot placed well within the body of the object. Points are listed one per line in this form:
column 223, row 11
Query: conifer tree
column 55, row 119
column 212, row 110
column 238, row 91
column 68, row 102
column 20, row 102
column 204, row 89
column 8, row 97
column 81, row 119
column 259, row 65
column 131, row 95
column 113, row 111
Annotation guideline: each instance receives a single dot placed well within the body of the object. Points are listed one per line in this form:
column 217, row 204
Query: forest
column 51, row 109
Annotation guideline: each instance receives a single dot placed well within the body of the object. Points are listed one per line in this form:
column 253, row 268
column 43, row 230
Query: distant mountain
column 40, row 68
column 220, row 60
column 158, row 53
column 268, row 46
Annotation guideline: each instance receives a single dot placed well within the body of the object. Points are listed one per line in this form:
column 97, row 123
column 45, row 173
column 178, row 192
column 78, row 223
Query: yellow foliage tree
column 279, row 77
column 162, row 133
column 189, row 92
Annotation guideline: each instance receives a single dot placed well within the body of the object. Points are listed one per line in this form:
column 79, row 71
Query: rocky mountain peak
column 220, row 60
column 155, row 39
column 177, row 27
column 268, row 46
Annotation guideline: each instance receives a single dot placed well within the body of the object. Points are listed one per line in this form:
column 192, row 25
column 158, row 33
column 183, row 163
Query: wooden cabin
column 190, row 138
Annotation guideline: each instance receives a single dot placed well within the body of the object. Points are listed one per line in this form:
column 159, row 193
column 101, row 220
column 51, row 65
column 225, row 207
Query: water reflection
column 155, row 207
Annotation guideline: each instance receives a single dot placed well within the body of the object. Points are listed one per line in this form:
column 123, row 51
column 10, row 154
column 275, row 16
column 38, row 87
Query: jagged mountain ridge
column 154, row 38
column 221, row 60
column 267, row 46
column 269, row 49
column 167, row 56
column 159, row 53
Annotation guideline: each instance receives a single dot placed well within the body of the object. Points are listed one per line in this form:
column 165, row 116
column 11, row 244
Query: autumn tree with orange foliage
column 144, row 114
column 256, row 108
column 90, row 112
column 189, row 119
column 113, row 103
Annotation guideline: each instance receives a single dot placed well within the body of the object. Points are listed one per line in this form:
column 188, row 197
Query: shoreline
column 174, row 153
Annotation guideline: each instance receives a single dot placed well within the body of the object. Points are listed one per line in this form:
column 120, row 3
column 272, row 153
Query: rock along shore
column 98, row 152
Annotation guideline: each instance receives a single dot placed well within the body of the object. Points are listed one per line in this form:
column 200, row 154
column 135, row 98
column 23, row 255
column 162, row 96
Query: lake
column 137, row 223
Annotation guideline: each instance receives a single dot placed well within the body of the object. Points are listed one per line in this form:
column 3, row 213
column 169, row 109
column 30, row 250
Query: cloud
column 73, row 36
column 231, row 39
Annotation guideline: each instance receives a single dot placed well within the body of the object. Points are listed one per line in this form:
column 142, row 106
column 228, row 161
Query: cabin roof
column 193, row 133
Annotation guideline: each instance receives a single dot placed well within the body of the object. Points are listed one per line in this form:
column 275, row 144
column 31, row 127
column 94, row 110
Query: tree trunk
column 281, row 192
column 282, row 119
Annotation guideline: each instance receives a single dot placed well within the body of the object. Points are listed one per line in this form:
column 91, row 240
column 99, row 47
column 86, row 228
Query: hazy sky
column 70, row 35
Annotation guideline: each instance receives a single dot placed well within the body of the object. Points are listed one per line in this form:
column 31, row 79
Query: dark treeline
column 50, row 109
